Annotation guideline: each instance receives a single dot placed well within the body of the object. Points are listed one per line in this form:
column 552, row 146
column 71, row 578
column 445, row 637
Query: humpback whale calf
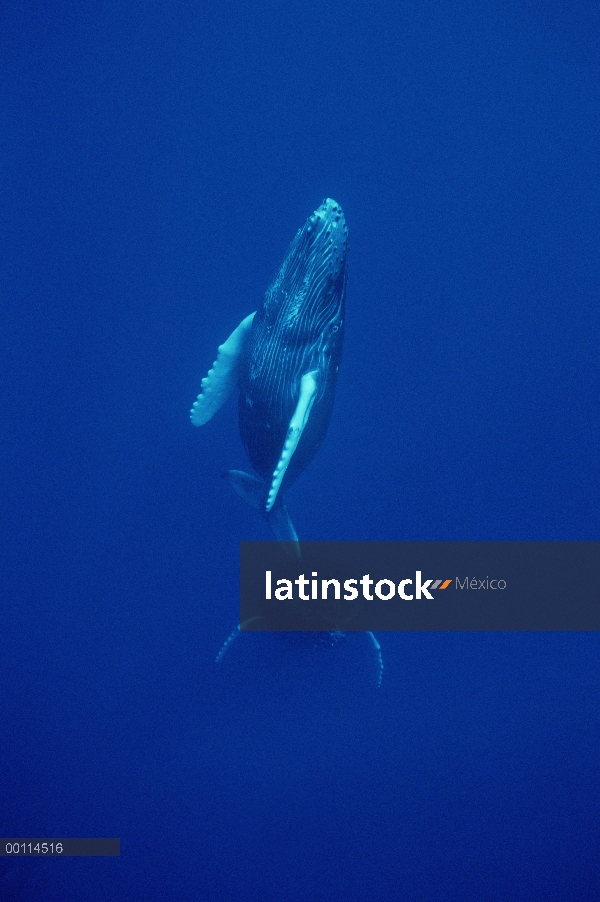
column 284, row 360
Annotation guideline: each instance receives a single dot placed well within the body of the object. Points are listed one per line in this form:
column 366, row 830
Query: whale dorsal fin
column 308, row 391
column 253, row 490
column 223, row 377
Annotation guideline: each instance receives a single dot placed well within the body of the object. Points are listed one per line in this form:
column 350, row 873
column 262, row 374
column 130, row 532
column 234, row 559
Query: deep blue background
column 156, row 159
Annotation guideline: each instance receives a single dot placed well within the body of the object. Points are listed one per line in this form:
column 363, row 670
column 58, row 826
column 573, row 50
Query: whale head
column 306, row 300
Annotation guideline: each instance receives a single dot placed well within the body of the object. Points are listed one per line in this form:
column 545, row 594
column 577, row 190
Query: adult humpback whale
column 284, row 359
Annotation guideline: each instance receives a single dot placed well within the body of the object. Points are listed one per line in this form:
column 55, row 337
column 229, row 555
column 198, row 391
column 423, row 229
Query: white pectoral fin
column 222, row 378
column 308, row 392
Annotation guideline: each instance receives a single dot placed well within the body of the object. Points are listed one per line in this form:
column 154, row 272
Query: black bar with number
column 58, row 848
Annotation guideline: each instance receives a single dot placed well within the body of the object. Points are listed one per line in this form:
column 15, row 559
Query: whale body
column 284, row 360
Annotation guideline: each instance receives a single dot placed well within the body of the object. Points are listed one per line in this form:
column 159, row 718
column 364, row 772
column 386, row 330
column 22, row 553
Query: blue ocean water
column 156, row 160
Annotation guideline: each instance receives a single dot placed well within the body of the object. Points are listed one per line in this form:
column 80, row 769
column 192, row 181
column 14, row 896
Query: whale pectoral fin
column 308, row 392
column 222, row 378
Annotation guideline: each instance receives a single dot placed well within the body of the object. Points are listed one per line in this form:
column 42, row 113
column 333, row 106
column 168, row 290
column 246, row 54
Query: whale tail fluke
column 331, row 639
column 254, row 491
column 378, row 656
